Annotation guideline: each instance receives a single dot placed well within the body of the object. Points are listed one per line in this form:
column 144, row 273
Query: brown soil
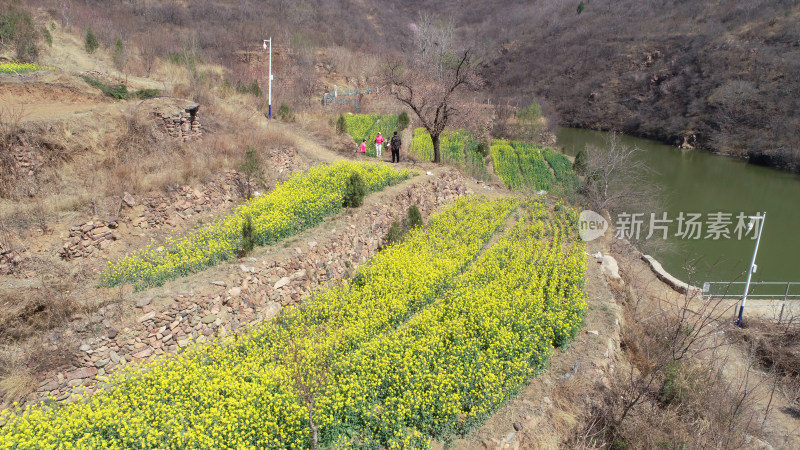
column 45, row 102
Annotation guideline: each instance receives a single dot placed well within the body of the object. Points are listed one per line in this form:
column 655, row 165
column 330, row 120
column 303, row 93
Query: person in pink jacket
column 364, row 146
column 378, row 144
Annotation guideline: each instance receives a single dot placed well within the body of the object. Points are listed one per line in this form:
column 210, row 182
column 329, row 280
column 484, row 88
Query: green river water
column 695, row 181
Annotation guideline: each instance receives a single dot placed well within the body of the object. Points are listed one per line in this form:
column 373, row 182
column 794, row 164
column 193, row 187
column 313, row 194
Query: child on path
column 364, row 146
column 378, row 144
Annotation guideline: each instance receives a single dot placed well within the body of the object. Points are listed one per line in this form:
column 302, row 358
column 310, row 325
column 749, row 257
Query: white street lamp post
column 269, row 111
column 753, row 266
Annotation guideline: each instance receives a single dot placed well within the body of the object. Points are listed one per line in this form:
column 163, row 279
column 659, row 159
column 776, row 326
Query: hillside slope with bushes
column 712, row 75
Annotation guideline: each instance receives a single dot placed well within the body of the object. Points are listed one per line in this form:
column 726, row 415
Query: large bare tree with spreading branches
column 434, row 79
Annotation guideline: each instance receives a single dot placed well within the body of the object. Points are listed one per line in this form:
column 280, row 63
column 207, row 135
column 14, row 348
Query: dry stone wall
column 182, row 124
column 88, row 239
column 254, row 290
column 27, row 160
column 158, row 210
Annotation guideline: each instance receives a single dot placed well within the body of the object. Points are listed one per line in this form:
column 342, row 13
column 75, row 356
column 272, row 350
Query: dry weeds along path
column 775, row 416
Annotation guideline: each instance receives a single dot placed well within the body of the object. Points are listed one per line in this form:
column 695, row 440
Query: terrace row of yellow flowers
column 301, row 202
column 241, row 394
column 20, row 68
column 452, row 364
column 525, row 166
column 373, row 384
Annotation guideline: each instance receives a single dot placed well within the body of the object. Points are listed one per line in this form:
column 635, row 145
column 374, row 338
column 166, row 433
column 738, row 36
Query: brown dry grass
column 17, row 385
column 32, row 335
column 776, row 345
column 21, row 363
column 680, row 384
column 43, row 307
column 776, row 348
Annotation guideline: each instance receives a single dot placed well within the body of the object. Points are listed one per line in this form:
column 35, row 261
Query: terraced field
column 426, row 340
column 458, row 148
column 532, row 167
column 301, row 202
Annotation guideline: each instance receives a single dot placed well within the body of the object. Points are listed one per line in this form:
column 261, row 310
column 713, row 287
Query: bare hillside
column 718, row 76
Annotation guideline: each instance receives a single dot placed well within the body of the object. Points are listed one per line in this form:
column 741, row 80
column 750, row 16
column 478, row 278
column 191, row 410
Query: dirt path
column 37, row 102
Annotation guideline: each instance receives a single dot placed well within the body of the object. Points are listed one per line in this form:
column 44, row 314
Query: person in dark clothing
column 395, row 142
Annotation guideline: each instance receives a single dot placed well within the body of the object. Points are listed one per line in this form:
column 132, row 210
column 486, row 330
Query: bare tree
column 150, row 49
column 434, row 98
column 434, row 39
column 617, row 177
column 308, row 355
column 502, row 115
column 307, row 86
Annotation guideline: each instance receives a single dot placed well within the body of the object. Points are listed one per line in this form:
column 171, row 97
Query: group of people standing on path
column 394, row 146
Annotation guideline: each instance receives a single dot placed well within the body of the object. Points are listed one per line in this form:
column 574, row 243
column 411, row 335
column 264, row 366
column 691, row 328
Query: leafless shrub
column 616, row 177
column 776, row 345
column 11, row 249
column 776, row 349
column 678, row 388
column 502, row 115
column 151, row 46
column 308, row 356
column 10, row 120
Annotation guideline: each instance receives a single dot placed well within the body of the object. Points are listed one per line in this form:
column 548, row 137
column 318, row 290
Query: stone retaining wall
column 254, row 290
column 27, row 160
column 158, row 210
column 669, row 280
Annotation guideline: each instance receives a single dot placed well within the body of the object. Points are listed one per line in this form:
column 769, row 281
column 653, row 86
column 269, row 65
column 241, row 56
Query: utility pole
column 269, row 111
column 751, row 270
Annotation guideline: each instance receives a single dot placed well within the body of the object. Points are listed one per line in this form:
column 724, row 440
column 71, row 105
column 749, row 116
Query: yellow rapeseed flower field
column 19, row 68
column 455, row 362
column 301, row 202
column 428, row 338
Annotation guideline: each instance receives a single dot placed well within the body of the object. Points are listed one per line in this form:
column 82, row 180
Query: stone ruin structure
column 178, row 118
column 182, row 124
